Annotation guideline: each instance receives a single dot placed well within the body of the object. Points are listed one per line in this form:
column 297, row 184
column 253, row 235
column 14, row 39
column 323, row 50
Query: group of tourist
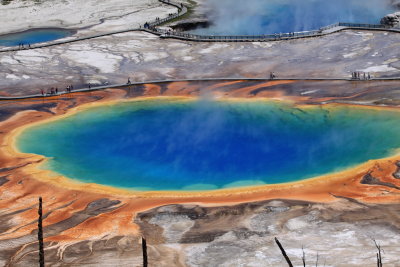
column 54, row 90
column 22, row 46
column 360, row 76
column 69, row 88
column 51, row 91
column 172, row 14
column 150, row 27
column 284, row 35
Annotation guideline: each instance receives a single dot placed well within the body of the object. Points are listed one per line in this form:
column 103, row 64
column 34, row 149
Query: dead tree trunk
column 304, row 257
column 40, row 234
column 378, row 255
column 144, row 250
column 283, row 252
column 377, row 260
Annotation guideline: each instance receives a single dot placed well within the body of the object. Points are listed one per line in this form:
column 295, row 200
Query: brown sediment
column 81, row 211
column 249, row 90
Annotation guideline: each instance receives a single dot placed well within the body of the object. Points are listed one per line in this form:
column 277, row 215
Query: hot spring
column 251, row 17
column 171, row 144
column 34, row 36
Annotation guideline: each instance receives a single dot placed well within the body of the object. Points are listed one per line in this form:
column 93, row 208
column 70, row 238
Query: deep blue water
column 173, row 145
column 33, row 36
column 280, row 16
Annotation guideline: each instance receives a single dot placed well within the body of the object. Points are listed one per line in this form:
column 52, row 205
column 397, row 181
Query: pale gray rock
column 392, row 20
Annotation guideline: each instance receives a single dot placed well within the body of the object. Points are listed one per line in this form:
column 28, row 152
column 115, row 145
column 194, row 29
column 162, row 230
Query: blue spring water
column 33, row 36
column 179, row 145
column 282, row 16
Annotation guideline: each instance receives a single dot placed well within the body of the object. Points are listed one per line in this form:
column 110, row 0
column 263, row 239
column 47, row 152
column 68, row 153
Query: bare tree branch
column 283, row 252
column 379, row 254
column 40, row 234
column 144, row 250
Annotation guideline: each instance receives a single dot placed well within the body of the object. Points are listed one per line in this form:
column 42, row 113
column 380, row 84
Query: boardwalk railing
column 182, row 10
column 361, row 25
column 356, row 25
column 269, row 37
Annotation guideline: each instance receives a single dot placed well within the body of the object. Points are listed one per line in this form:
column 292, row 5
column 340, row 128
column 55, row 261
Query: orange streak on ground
column 152, row 89
column 181, row 89
column 245, row 91
column 222, row 84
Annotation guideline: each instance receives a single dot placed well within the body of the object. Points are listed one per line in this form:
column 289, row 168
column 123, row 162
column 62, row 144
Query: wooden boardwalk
column 125, row 85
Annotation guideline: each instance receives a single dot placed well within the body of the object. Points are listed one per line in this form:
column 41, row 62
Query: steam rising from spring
column 274, row 16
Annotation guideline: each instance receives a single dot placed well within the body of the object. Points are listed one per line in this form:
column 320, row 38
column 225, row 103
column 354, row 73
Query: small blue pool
column 34, row 36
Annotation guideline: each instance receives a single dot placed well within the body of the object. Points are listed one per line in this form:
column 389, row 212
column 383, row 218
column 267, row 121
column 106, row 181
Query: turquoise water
column 198, row 145
column 251, row 17
column 33, row 36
